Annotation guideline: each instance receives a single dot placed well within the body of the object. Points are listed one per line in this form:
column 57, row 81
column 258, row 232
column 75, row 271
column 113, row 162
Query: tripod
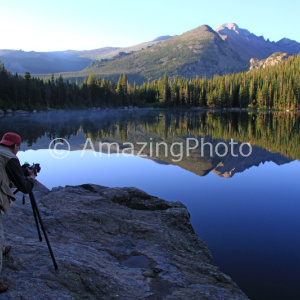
column 39, row 221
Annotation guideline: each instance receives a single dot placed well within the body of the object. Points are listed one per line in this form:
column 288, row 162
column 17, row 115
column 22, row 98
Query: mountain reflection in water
column 270, row 134
column 246, row 215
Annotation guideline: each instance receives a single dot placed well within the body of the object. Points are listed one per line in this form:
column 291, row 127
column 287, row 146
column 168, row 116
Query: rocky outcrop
column 109, row 243
column 271, row 61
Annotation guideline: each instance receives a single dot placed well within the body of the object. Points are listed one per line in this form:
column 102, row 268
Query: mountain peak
column 201, row 32
column 248, row 45
column 230, row 26
column 286, row 41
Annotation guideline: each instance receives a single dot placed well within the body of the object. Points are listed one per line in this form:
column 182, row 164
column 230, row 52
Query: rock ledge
column 109, row 243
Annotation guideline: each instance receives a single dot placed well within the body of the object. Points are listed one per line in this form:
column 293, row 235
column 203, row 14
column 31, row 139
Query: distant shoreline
column 199, row 109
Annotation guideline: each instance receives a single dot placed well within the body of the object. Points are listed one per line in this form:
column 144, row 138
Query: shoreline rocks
column 109, row 243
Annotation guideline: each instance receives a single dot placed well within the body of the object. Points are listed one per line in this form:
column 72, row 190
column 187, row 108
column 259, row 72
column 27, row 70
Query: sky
column 56, row 25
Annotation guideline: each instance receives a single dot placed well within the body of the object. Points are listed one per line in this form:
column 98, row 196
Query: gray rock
column 109, row 243
column 21, row 112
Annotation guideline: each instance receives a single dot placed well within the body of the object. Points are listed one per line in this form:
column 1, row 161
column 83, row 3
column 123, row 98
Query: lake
column 237, row 172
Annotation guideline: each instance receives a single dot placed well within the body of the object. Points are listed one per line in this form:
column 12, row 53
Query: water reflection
column 273, row 137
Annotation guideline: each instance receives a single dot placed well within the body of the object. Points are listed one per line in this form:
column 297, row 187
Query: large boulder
column 109, row 243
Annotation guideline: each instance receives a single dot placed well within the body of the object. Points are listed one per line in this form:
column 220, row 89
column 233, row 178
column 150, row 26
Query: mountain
column 248, row 45
column 110, row 52
column 200, row 51
column 289, row 46
column 162, row 38
column 18, row 61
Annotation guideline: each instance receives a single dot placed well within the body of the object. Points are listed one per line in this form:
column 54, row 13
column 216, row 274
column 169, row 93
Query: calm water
column 245, row 208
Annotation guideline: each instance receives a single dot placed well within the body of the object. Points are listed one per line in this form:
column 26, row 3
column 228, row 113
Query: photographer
column 10, row 172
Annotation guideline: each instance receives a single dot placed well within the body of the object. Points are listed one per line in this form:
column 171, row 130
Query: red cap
column 10, row 138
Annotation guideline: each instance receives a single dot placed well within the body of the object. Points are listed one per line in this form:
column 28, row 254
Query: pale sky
column 38, row 25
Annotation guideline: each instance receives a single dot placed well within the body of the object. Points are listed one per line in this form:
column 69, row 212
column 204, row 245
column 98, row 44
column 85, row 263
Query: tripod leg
column 35, row 208
column 36, row 219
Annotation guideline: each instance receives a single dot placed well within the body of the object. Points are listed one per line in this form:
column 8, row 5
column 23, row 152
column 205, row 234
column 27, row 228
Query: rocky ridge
column 247, row 45
column 109, row 243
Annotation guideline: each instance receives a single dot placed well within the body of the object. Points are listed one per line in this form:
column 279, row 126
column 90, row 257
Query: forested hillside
column 274, row 87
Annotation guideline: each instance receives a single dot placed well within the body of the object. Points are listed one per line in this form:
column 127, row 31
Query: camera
column 35, row 168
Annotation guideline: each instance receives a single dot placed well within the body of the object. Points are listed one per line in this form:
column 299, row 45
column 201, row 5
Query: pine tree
column 166, row 90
